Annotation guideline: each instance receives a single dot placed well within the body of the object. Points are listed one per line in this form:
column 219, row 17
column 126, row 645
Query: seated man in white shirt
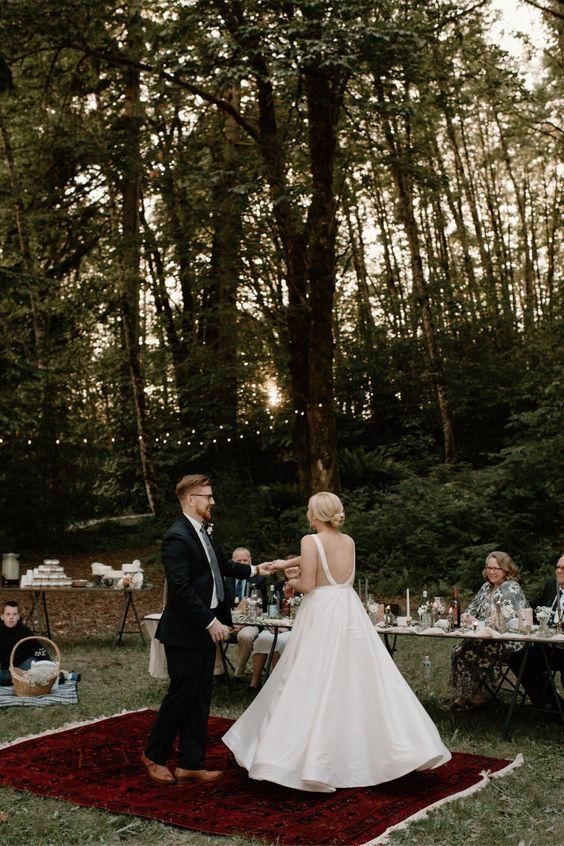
column 246, row 635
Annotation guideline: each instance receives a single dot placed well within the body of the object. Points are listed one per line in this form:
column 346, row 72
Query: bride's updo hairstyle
column 328, row 508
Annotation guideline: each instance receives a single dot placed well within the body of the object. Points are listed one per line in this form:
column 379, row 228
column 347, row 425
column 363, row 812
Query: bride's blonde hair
column 328, row 508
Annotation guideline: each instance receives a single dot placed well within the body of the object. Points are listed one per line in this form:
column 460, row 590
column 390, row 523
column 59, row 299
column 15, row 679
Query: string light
column 222, row 428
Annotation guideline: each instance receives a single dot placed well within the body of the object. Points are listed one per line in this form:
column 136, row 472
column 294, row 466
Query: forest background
column 297, row 245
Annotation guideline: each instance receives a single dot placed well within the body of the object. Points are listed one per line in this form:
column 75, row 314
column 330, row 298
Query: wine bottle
column 456, row 610
column 272, row 602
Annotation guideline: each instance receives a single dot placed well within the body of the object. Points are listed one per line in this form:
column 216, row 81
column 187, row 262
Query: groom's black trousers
column 185, row 709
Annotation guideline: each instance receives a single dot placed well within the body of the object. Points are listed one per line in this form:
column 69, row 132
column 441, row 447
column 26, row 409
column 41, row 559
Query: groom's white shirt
column 214, row 601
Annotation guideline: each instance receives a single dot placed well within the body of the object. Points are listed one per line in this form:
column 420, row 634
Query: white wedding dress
column 336, row 711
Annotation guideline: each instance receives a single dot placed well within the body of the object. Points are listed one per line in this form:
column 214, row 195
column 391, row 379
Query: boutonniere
column 209, row 529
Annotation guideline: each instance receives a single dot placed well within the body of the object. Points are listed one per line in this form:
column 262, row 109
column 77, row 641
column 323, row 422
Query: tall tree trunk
column 323, row 101
column 23, row 239
column 225, row 268
column 401, row 172
column 129, row 253
column 175, row 342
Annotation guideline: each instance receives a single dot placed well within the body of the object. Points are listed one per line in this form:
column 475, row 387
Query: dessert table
column 39, row 610
column 391, row 634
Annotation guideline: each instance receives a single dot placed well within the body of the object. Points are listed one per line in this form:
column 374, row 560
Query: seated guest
column 474, row 660
column 261, row 651
column 535, row 678
column 12, row 630
column 246, row 635
column 263, row 644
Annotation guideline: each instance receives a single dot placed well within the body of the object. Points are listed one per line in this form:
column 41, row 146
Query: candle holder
column 389, row 619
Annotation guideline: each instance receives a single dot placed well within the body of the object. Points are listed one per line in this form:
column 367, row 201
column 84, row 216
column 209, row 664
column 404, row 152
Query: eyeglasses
column 209, row 497
column 494, row 569
column 560, row 568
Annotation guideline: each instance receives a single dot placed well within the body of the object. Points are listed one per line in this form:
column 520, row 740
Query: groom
column 195, row 618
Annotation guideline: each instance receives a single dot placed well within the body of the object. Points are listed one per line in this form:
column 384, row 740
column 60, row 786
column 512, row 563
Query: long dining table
column 391, row 634
column 157, row 657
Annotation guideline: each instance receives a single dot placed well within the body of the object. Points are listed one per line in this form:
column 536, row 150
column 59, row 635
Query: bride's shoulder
column 348, row 539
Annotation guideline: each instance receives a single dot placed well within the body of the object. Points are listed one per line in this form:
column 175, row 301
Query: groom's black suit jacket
column 189, row 586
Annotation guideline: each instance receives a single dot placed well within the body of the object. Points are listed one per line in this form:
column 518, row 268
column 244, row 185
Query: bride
column 336, row 711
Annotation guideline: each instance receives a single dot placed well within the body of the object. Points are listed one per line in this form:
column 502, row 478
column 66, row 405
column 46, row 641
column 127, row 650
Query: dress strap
column 323, row 559
column 325, row 565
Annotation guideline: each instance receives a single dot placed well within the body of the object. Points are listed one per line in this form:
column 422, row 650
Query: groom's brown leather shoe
column 157, row 772
column 207, row 776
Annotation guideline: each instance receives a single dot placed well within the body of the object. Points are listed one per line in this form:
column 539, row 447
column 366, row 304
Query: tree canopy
column 309, row 245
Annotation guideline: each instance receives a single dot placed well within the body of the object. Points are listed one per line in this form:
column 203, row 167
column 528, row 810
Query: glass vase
column 544, row 630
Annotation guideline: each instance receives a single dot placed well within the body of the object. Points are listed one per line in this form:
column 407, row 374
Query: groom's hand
column 265, row 568
column 218, row 632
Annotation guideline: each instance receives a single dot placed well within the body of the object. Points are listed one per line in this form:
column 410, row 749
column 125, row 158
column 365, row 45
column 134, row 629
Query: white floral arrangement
column 507, row 610
column 542, row 613
column 130, row 581
column 42, row 673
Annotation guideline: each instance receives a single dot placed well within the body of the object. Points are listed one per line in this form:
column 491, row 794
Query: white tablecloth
column 157, row 657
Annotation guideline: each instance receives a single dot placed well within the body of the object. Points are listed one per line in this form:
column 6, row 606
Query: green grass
column 521, row 809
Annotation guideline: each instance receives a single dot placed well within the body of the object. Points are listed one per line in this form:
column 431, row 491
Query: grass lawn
column 521, row 809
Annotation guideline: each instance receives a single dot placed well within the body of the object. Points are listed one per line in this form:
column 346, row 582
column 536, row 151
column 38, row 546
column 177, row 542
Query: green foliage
column 466, row 127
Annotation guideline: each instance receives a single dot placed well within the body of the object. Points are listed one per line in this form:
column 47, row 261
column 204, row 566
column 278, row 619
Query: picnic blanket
column 63, row 694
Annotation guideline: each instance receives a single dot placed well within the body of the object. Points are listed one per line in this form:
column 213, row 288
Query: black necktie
column 213, row 563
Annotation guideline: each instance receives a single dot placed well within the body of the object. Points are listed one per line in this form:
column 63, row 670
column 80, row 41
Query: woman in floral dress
column 497, row 603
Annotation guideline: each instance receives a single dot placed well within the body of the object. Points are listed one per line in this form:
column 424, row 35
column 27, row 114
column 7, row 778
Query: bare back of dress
column 325, row 567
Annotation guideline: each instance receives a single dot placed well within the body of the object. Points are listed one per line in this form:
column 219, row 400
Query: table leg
column 391, row 647
column 45, row 614
column 271, row 654
column 37, row 611
column 30, row 618
column 223, row 649
column 136, row 615
column 505, row 730
column 555, row 693
column 127, row 603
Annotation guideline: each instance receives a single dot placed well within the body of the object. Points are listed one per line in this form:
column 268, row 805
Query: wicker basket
column 24, row 687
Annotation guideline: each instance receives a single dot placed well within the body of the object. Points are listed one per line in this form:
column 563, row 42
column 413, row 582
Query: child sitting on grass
column 12, row 630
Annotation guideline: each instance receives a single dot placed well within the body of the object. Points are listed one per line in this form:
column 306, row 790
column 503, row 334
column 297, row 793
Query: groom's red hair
column 188, row 483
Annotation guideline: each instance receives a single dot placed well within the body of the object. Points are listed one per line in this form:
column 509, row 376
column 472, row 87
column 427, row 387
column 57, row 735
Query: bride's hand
column 278, row 564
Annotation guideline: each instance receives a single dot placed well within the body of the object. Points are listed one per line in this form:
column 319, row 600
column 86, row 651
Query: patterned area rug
column 97, row 765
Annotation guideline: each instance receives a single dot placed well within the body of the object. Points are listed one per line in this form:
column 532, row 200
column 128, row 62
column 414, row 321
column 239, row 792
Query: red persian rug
column 97, row 765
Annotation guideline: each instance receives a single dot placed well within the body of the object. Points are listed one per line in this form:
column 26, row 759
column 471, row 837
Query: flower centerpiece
column 543, row 614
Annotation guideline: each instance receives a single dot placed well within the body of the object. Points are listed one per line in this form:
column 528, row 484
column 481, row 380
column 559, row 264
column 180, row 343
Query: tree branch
column 547, row 11
column 175, row 79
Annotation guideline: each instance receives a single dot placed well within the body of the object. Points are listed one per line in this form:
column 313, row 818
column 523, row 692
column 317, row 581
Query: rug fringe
column 424, row 812
column 67, row 726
